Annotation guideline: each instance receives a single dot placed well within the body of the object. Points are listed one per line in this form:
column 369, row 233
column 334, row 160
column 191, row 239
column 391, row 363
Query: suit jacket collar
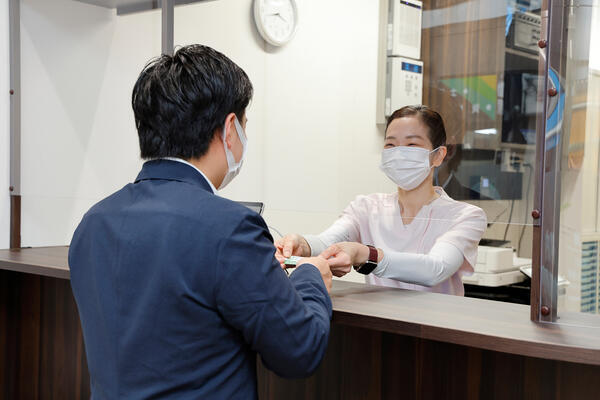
column 172, row 171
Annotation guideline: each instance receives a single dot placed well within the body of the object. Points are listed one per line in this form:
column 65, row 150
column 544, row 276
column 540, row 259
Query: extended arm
column 423, row 269
column 286, row 320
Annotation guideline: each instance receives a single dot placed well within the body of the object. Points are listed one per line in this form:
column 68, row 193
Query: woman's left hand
column 343, row 255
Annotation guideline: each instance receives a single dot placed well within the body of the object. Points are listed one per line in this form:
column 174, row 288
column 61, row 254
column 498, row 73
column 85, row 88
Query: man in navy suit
column 178, row 289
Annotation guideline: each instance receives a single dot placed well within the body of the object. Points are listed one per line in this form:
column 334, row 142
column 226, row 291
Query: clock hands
column 277, row 14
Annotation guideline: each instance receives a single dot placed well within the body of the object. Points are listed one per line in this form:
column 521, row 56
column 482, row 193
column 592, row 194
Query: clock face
column 276, row 20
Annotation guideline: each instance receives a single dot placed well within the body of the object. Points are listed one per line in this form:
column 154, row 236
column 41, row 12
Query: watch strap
column 371, row 263
column 373, row 254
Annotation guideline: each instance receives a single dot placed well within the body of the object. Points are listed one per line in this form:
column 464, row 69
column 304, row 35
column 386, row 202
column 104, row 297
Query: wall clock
column 276, row 20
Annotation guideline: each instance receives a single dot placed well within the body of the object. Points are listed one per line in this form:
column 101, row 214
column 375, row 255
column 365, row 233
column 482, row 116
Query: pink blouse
column 375, row 219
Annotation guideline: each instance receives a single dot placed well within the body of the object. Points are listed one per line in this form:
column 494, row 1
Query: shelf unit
column 132, row 6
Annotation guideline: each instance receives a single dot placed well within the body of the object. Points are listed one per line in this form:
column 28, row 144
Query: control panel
column 405, row 83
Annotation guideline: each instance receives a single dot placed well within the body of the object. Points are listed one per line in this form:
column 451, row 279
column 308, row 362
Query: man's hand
column 323, row 267
column 342, row 256
column 291, row 245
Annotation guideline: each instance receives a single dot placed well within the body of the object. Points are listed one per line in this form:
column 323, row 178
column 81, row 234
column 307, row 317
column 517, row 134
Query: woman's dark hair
column 432, row 119
column 180, row 101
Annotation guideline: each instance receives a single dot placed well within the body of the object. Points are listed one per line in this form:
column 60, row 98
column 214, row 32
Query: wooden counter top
column 45, row 261
column 491, row 325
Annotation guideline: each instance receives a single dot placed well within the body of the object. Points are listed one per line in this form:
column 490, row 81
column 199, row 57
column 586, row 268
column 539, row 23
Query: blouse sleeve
column 345, row 229
column 466, row 232
column 423, row 269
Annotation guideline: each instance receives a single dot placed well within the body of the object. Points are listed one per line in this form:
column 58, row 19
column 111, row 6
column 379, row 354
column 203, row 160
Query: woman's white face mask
column 406, row 166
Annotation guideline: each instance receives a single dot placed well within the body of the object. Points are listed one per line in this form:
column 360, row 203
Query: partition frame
column 549, row 148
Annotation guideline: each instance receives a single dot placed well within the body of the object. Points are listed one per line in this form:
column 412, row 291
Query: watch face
column 366, row 268
column 276, row 20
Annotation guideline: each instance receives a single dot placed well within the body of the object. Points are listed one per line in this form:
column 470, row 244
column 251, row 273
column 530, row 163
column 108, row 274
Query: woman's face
column 407, row 131
column 411, row 132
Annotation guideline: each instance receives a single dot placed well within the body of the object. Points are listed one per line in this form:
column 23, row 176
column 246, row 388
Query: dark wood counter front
column 484, row 324
column 385, row 343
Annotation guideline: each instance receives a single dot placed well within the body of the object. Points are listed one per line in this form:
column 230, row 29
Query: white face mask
column 406, row 166
column 233, row 168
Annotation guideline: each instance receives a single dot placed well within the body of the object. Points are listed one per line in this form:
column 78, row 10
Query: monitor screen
column 257, row 207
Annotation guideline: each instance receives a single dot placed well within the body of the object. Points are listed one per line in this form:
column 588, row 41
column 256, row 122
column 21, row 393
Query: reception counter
column 385, row 343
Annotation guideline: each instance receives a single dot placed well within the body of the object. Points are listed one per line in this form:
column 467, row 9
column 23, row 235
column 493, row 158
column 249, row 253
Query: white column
column 4, row 127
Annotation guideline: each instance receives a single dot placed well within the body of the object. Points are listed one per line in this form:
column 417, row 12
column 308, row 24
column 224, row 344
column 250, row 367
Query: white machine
column 525, row 32
column 497, row 266
column 404, row 28
column 404, row 83
column 404, row 71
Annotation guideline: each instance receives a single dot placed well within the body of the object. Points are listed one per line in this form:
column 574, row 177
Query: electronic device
column 404, row 28
column 371, row 262
column 495, row 279
column 494, row 259
column 276, row 20
column 525, row 32
column 257, row 207
column 404, row 83
column 497, row 266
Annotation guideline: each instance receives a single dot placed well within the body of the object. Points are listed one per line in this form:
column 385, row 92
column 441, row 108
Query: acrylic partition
column 315, row 138
column 568, row 187
column 481, row 72
column 480, row 69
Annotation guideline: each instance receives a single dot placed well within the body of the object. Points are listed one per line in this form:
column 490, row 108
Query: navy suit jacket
column 178, row 290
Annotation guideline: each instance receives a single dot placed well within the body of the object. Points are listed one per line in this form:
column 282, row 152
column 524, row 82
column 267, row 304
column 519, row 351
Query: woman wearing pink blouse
column 416, row 238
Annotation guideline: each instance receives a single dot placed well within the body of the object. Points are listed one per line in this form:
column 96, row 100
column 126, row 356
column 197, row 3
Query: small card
column 292, row 261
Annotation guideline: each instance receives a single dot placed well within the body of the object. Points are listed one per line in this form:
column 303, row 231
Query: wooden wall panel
column 42, row 357
column 418, row 369
column 7, row 351
column 41, row 343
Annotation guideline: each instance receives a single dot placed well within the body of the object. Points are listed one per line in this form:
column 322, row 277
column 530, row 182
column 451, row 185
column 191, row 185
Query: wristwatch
column 371, row 263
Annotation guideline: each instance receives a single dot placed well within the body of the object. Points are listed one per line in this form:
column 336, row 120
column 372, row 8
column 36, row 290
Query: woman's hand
column 342, row 256
column 291, row 245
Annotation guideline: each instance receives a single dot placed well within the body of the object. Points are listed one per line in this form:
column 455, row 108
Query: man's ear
column 229, row 128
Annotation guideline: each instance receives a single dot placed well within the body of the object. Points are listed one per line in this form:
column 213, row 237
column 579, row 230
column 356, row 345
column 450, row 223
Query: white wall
column 79, row 63
column 4, row 127
column 323, row 143
column 313, row 140
column 226, row 25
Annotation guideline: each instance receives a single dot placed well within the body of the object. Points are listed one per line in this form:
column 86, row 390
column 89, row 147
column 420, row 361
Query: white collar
column 181, row 160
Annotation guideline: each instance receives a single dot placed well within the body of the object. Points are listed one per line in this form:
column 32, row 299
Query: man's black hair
column 180, row 101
